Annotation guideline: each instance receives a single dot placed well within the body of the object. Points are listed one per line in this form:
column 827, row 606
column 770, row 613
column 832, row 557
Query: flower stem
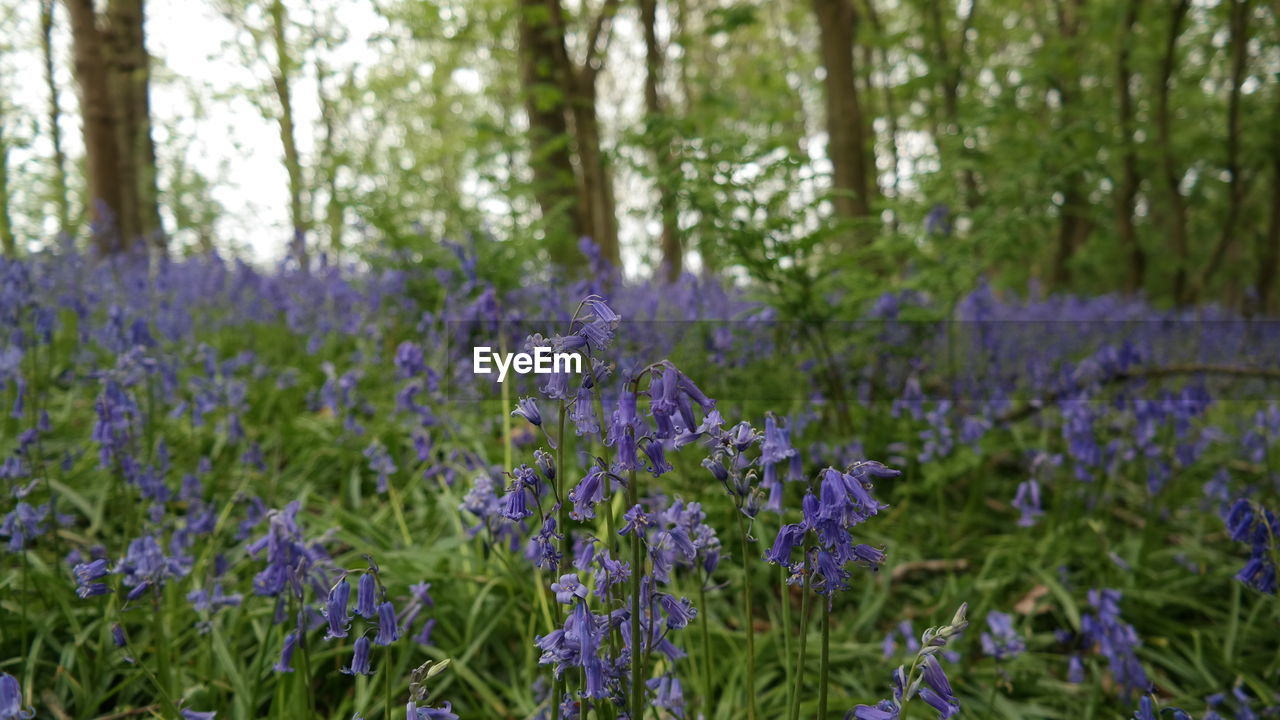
column 824, row 669
column 386, row 682
column 804, row 636
column 787, row 678
column 749, row 620
column 706, row 646
column 637, row 647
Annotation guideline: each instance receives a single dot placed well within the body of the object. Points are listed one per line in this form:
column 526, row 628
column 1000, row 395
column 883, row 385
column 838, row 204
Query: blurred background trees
column 1078, row 145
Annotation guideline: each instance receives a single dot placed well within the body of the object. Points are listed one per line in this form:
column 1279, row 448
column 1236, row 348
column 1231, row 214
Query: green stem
column 164, row 653
column 706, row 645
column 637, row 646
column 386, row 682
column 786, row 630
column 824, row 664
column 306, row 672
column 749, row 620
column 804, row 636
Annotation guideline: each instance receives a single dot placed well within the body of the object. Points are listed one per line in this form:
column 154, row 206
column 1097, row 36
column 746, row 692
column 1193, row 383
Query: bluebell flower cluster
column 925, row 678
column 1259, row 528
column 1001, row 641
column 1105, row 631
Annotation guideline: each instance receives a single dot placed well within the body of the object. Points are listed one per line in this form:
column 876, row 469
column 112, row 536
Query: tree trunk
column 1127, row 190
column 1177, row 219
column 1227, row 245
column 554, row 178
column 597, row 181
column 951, row 75
column 663, row 159
column 1075, row 225
column 60, row 195
column 107, row 191
column 8, row 245
column 334, row 209
column 281, row 80
column 578, row 83
column 890, row 113
column 846, row 145
column 131, row 74
column 1269, row 257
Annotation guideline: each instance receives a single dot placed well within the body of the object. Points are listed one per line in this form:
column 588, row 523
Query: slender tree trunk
column 951, row 74
column 578, row 83
column 597, row 180
column 1269, row 256
column 281, row 80
column 1076, row 224
column 61, row 198
column 8, row 245
column 663, row 159
column 1127, row 192
column 1227, row 245
column 890, row 112
column 1177, row 218
column 103, row 154
column 846, row 145
column 334, row 209
column 554, row 177
column 132, row 72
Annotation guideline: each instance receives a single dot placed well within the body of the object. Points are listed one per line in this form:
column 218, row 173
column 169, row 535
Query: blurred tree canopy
column 1077, row 145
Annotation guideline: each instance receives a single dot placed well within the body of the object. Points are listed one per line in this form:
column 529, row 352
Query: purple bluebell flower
column 388, row 629
column 1115, row 639
column 86, row 574
column 11, row 699
column 335, row 610
column 588, row 492
column 366, row 600
column 1027, row 501
column 527, row 408
column 658, row 464
column 568, row 588
column 188, row 714
column 285, row 664
column 1002, row 642
column 359, row 658
column 1260, row 528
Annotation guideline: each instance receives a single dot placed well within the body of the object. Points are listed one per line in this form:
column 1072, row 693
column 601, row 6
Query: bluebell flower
column 568, row 588
column 636, row 520
column 679, row 612
column 1002, row 642
column 622, row 431
column 11, row 699
column 335, row 610
column 86, row 574
column 658, row 464
column 388, row 630
column 589, row 491
column 937, row 691
column 359, row 659
column 1260, row 528
column 527, row 408
column 1027, row 501
column 285, row 664
column 366, row 600
column 582, row 413
column 788, row 537
column 444, row 712
column 1115, row 640
column 196, row 715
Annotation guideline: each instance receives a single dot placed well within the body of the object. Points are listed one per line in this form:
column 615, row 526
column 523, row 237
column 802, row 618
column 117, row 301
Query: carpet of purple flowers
column 246, row 494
